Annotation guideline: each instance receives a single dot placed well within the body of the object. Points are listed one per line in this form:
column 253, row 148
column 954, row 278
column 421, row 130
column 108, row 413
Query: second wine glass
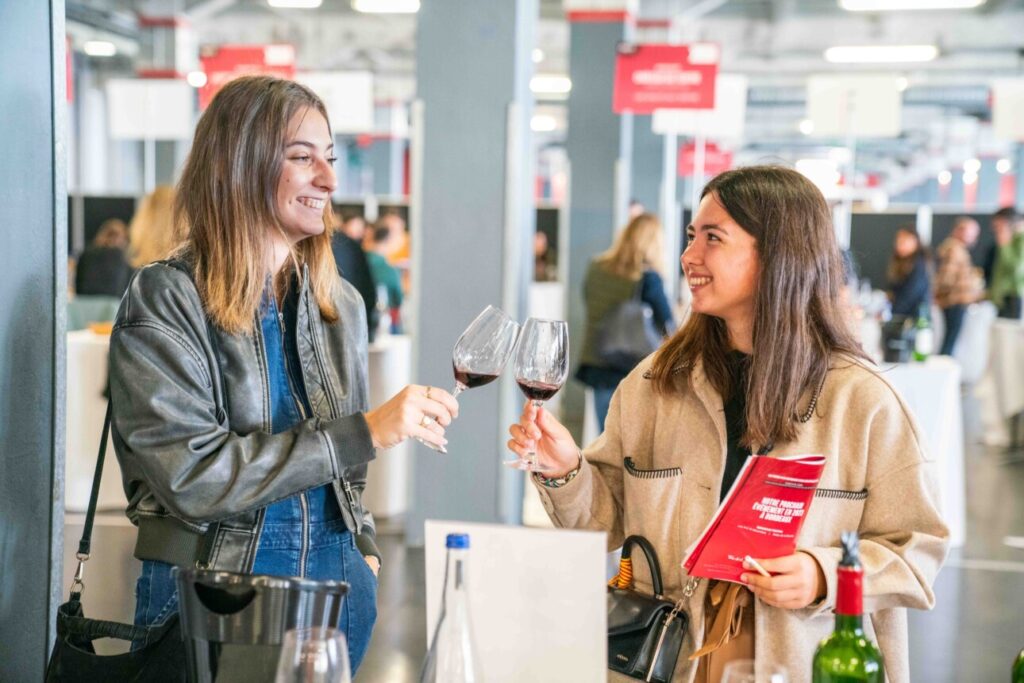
column 542, row 364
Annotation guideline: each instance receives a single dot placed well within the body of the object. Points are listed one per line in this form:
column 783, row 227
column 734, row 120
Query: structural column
column 647, row 167
column 472, row 226
column 599, row 147
column 33, row 267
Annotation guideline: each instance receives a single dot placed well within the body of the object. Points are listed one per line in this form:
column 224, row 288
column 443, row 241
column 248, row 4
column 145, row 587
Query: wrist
column 554, row 480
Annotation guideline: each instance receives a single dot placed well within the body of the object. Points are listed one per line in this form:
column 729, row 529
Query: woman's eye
column 712, row 237
column 689, row 237
column 332, row 160
column 303, row 159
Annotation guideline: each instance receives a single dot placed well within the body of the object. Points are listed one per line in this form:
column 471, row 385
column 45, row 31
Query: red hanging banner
column 222, row 63
column 649, row 77
column 716, row 160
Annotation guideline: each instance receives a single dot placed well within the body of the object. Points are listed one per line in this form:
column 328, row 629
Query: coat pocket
column 651, row 499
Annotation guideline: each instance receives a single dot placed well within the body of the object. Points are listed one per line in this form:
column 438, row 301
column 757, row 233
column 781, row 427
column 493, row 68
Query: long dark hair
column 798, row 321
column 900, row 267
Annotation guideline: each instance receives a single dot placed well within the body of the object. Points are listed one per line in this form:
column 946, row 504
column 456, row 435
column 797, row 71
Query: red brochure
column 760, row 516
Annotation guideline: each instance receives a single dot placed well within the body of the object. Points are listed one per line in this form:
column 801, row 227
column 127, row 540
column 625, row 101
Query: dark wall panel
column 33, row 281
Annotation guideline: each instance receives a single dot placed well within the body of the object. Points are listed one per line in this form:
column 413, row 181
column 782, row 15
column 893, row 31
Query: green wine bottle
column 847, row 656
column 1018, row 669
column 924, row 336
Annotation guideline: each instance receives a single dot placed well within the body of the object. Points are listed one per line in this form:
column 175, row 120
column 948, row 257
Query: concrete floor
column 972, row 635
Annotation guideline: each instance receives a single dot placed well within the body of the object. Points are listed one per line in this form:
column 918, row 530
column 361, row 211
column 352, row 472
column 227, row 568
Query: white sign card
column 348, row 96
column 724, row 122
column 537, row 597
column 150, row 109
column 861, row 105
column 1008, row 109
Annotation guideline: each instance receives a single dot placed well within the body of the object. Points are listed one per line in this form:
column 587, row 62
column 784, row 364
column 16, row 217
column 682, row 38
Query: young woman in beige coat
column 764, row 364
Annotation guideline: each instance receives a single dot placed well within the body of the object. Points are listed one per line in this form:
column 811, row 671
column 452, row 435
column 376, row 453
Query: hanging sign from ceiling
column 649, row 77
column 222, row 63
column 716, row 160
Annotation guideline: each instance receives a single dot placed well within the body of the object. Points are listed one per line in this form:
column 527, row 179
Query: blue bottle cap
column 460, row 541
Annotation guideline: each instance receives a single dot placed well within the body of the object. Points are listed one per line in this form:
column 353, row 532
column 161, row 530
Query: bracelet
column 559, row 482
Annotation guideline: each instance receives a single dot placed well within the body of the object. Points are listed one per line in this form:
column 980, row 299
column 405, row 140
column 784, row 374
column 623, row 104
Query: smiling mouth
column 698, row 281
column 317, row 204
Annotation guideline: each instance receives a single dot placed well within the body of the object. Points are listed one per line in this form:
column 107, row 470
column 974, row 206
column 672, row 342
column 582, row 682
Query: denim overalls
column 303, row 535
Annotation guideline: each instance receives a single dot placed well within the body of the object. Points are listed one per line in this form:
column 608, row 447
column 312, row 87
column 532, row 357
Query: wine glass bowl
column 542, row 364
column 313, row 655
column 481, row 353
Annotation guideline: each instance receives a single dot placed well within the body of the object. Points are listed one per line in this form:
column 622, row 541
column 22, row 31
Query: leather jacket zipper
column 303, row 500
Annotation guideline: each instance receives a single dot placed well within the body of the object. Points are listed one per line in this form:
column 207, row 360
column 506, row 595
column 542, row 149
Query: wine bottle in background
column 848, row 656
column 924, row 336
column 452, row 657
column 1018, row 669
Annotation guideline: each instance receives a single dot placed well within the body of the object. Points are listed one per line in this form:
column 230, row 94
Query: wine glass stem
column 533, row 451
column 459, row 388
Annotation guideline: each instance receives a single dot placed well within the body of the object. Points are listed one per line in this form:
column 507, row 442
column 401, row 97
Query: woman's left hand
column 374, row 564
column 796, row 581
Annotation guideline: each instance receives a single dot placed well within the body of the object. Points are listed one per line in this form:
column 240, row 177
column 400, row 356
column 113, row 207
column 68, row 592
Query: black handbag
column 627, row 334
column 645, row 632
column 160, row 653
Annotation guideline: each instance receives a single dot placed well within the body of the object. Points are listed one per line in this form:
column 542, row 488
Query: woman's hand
column 406, row 414
column 796, row 581
column 538, row 431
column 374, row 564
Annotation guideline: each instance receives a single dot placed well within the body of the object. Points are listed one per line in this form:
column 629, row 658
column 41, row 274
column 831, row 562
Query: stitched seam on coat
column 181, row 341
column 841, row 494
column 651, row 474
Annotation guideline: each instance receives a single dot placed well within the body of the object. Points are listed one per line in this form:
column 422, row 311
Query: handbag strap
column 625, row 578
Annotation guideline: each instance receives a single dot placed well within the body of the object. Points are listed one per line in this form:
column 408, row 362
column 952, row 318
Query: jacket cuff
column 366, row 542
column 828, row 559
column 350, row 441
column 565, row 498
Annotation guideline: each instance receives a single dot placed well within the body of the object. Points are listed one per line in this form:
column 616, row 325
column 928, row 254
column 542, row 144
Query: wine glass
column 313, row 655
column 542, row 364
column 481, row 353
column 742, row 671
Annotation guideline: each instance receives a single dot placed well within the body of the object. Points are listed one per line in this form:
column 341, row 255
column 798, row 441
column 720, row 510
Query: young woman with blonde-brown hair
column 153, row 233
column 238, row 370
column 630, row 268
column 764, row 364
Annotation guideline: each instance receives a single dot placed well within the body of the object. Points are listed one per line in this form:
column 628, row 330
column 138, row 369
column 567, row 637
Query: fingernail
column 744, row 578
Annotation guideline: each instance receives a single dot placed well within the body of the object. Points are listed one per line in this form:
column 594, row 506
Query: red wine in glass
column 538, row 391
column 472, row 380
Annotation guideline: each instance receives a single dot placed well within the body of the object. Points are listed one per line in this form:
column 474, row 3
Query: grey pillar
column 988, row 184
column 472, row 227
column 384, row 157
column 646, row 167
column 599, row 147
column 33, row 277
column 1018, row 169
column 955, row 192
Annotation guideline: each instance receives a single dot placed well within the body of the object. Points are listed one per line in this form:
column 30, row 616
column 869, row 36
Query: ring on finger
column 428, row 391
column 425, row 421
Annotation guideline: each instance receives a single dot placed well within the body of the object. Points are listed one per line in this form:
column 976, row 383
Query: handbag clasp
column 77, row 584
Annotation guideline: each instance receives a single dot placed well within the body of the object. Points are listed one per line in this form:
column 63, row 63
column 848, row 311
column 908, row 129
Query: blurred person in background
column 633, row 263
column 238, row 370
column 386, row 239
column 153, row 234
column 909, row 277
column 957, row 282
column 354, row 266
column 1006, row 286
column 102, row 269
column 544, row 268
column 763, row 364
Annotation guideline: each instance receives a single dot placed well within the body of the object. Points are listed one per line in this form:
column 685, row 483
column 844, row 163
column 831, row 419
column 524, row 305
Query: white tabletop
column 931, row 391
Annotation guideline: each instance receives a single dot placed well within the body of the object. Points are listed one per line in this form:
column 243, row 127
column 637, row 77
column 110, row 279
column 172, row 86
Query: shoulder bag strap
column 650, row 556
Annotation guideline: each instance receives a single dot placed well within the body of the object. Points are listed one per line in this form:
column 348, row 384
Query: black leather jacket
column 191, row 421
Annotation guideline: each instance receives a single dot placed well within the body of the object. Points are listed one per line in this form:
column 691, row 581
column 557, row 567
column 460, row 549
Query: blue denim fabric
column 602, row 401
column 322, row 549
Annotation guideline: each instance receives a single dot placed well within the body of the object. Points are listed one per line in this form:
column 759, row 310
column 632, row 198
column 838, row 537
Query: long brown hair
column 153, row 233
column 798, row 322
column 227, row 200
column 901, row 266
column 637, row 248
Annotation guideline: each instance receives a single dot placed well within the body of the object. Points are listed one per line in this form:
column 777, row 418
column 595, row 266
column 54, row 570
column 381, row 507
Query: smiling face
column 721, row 265
column 307, row 176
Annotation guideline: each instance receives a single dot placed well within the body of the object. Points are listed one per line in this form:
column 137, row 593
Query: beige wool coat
column 878, row 480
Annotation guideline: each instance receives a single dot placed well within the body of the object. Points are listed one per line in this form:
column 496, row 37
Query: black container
column 234, row 624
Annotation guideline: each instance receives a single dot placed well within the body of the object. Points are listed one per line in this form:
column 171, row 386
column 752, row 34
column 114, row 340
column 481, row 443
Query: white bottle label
column 924, row 341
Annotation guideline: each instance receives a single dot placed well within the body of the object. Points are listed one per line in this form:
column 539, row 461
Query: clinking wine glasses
column 482, row 352
column 542, row 363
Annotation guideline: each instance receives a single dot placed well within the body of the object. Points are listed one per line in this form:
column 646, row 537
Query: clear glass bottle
column 848, row 656
column 452, row 657
column 924, row 336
